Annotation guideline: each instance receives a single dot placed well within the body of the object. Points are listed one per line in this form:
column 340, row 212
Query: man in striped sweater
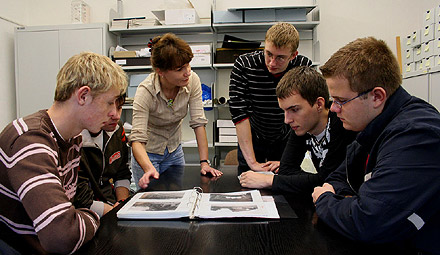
column 40, row 154
column 259, row 121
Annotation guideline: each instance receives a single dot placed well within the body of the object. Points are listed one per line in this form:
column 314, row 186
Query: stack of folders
column 227, row 132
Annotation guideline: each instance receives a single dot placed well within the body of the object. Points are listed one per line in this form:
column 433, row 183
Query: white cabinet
column 41, row 51
column 425, row 86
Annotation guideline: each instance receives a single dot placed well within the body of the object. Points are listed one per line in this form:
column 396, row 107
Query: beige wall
column 341, row 22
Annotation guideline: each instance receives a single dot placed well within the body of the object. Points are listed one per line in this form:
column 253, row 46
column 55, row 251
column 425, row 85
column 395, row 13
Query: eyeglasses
column 340, row 104
column 279, row 59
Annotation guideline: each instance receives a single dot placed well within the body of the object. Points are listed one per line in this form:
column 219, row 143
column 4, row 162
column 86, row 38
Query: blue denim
column 160, row 162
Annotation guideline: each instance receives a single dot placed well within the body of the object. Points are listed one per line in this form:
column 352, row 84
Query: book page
column 234, row 204
column 159, row 205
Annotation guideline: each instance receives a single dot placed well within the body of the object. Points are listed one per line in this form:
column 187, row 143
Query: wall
column 341, row 22
column 10, row 17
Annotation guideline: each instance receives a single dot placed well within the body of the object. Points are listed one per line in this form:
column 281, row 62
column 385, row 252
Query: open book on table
column 195, row 204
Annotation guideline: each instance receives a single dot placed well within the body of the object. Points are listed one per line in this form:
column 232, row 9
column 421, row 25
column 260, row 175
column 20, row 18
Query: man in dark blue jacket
column 387, row 190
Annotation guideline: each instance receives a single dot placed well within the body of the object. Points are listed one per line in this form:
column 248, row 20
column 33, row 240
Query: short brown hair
column 366, row 63
column 90, row 69
column 307, row 82
column 283, row 35
column 170, row 52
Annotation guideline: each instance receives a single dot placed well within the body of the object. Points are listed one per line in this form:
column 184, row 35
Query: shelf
column 137, row 68
column 226, row 144
column 205, row 26
column 307, row 7
column 261, row 26
column 230, row 65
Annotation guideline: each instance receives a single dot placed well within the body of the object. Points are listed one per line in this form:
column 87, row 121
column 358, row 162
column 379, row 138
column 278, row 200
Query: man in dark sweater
column 387, row 189
column 261, row 132
column 303, row 95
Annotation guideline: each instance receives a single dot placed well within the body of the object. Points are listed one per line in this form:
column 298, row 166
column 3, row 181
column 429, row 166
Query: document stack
column 226, row 131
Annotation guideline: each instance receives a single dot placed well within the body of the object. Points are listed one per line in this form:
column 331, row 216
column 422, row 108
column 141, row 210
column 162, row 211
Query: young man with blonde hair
column 40, row 154
column 261, row 131
column 387, row 188
column 303, row 95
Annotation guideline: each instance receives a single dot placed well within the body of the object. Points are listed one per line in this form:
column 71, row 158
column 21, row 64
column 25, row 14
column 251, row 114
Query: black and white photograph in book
column 246, row 197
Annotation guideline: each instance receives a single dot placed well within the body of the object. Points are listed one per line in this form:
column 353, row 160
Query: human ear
column 379, row 96
column 320, row 104
column 82, row 94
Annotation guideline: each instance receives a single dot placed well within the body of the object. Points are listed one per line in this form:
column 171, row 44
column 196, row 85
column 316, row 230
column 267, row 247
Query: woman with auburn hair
column 161, row 102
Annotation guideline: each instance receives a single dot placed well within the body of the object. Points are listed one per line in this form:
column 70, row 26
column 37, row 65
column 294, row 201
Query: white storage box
column 427, row 49
column 436, row 46
column 428, row 62
column 437, row 14
column 227, row 131
column 409, row 68
column 416, row 38
column 437, row 60
column 177, row 16
column 408, row 56
column 228, row 139
column 418, row 66
column 227, row 16
column 437, row 29
column 225, row 123
column 428, row 33
column 202, row 54
column 429, row 17
column 417, row 53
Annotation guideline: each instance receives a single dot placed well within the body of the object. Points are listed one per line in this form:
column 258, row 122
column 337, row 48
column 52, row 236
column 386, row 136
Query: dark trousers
column 264, row 151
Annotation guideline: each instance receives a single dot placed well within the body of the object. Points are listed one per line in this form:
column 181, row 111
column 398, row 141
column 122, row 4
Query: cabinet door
column 417, row 86
column 37, row 64
column 74, row 41
column 435, row 90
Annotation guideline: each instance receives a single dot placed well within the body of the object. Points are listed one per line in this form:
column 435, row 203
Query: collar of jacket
column 393, row 105
column 89, row 141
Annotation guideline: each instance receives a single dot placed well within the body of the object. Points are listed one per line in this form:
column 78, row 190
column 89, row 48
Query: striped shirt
column 252, row 94
column 38, row 175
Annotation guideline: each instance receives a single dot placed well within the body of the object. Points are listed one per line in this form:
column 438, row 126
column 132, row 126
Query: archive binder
column 194, row 204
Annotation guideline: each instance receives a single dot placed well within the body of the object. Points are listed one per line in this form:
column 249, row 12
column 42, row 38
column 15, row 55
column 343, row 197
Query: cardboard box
column 259, row 15
column 227, row 55
column 140, row 61
column 177, row 16
column 124, row 54
column 227, row 17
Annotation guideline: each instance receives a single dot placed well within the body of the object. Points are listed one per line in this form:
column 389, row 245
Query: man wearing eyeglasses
column 261, row 131
column 387, row 190
column 303, row 95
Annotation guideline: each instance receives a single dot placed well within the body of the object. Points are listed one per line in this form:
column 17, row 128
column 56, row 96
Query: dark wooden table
column 297, row 232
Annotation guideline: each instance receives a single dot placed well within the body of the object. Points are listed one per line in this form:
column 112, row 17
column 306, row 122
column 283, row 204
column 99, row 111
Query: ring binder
column 194, row 204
